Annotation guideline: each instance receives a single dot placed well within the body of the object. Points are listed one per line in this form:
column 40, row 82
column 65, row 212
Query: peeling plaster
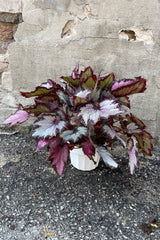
column 69, row 28
column 87, row 11
column 137, row 35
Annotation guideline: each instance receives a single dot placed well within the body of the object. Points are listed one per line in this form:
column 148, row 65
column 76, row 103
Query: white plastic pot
column 80, row 161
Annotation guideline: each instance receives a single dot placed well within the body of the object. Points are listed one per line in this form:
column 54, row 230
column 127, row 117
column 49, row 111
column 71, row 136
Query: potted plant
column 89, row 113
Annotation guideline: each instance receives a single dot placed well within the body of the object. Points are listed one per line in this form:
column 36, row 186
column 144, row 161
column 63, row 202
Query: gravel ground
column 37, row 204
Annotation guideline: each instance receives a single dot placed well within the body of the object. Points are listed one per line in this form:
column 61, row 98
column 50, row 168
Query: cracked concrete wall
column 55, row 35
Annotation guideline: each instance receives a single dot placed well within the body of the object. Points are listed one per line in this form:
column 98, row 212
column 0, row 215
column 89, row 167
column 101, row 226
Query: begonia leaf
column 125, row 101
column 59, row 156
column 133, row 128
column 62, row 96
column 145, row 142
column 128, row 86
column 49, row 84
column 41, row 143
column 83, row 93
column 79, row 100
column 38, row 109
column 107, row 157
column 19, row 116
column 106, row 108
column 48, row 127
column 39, row 91
column 88, row 149
column 84, row 75
column 88, row 113
column 107, row 81
column 132, row 151
column 46, row 98
column 50, row 101
column 89, row 82
column 112, row 133
column 132, row 118
column 72, row 81
column 132, row 124
column 122, row 83
column 110, row 108
column 75, row 72
column 46, row 88
column 74, row 135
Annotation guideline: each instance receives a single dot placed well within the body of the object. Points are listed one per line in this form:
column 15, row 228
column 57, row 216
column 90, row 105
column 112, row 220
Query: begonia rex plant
column 88, row 112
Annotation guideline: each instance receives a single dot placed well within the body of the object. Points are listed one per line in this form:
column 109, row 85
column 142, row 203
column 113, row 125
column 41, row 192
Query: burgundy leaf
column 88, row 149
column 39, row 91
column 59, row 157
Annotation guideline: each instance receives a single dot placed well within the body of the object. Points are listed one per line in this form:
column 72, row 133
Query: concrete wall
column 120, row 36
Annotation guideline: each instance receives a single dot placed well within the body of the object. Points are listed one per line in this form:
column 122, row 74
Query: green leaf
column 130, row 144
column 70, row 80
column 86, row 73
column 94, row 95
column 125, row 101
column 38, row 109
column 136, row 86
column 39, row 91
column 89, row 83
column 107, row 81
column 132, row 118
column 145, row 144
column 78, row 100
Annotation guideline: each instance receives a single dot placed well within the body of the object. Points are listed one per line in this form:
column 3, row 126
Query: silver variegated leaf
column 107, row 157
column 105, row 109
column 48, row 127
column 74, row 135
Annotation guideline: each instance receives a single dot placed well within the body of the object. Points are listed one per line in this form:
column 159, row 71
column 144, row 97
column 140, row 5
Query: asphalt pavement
column 105, row 204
